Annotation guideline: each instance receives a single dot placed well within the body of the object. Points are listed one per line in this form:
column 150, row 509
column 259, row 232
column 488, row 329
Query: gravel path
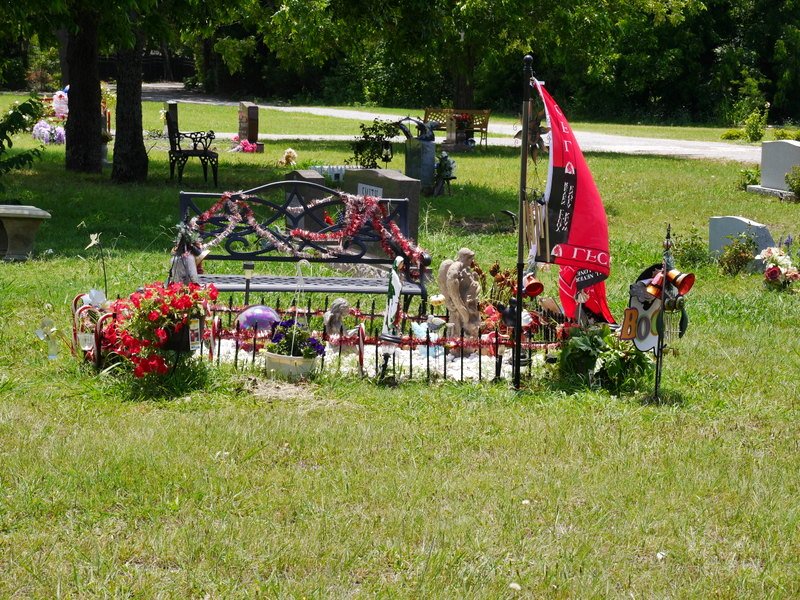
column 590, row 142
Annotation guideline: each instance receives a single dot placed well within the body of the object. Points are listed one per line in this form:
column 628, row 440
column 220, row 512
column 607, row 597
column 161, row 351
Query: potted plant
column 292, row 350
column 154, row 325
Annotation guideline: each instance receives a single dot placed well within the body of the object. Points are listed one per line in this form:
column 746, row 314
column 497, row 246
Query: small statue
column 461, row 289
column 334, row 316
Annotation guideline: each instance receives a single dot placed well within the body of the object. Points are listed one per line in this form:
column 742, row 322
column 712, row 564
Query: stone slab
column 719, row 228
column 777, row 159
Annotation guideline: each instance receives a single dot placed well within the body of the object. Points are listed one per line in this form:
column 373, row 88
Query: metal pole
column 527, row 74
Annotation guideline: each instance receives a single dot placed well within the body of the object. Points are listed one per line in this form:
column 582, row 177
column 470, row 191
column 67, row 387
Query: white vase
column 293, row 367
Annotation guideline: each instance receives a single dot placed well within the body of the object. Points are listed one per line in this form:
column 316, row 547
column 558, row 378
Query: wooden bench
column 288, row 221
column 477, row 124
column 184, row 145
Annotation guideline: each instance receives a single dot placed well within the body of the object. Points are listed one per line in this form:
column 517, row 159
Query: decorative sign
column 639, row 324
column 370, row 190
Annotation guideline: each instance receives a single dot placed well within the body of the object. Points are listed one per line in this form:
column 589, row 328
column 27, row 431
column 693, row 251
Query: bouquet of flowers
column 291, row 339
column 463, row 120
column 48, row 133
column 145, row 322
column 779, row 272
column 243, row 145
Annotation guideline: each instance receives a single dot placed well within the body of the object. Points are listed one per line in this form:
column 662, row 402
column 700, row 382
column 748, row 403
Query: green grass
column 244, row 486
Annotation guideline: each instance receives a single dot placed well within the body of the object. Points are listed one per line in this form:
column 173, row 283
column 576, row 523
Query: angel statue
column 461, row 289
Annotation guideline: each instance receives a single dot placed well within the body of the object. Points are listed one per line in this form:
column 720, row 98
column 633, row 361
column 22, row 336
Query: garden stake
column 527, row 75
column 461, row 339
column 255, row 340
column 428, row 355
column 236, row 351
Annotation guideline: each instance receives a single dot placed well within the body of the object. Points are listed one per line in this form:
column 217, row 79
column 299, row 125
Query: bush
column 786, row 134
column 375, row 144
column 749, row 177
column 598, row 358
column 755, row 125
column 691, row 250
column 733, row 134
column 738, row 255
column 18, row 119
column 793, row 181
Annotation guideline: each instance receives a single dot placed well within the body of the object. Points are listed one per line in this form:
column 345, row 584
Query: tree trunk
column 130, row 155
column 63, row 38
column 84, row 123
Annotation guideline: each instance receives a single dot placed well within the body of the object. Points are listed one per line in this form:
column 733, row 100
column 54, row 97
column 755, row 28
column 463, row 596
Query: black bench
column 184, row 145
column 288, row 221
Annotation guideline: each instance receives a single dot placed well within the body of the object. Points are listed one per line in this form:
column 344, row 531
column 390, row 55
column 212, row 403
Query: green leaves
column 19, row 119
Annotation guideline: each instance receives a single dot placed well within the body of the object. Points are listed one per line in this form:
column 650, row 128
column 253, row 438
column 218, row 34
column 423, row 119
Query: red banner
column 574, row 231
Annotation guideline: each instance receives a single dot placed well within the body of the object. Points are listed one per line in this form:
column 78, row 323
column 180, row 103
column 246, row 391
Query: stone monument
column 777, row 159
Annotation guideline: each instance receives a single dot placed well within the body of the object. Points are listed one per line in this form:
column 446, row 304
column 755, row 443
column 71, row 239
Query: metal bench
column 293, row 220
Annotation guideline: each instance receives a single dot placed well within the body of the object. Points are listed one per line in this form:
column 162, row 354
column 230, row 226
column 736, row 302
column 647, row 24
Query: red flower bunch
column 143, row 323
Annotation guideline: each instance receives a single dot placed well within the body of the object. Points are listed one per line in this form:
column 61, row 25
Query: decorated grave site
column 180, row 416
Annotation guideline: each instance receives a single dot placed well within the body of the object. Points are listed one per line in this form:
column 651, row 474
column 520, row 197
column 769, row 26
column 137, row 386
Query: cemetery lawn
column 243, row 486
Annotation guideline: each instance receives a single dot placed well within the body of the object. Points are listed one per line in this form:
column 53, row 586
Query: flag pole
column 527, row 74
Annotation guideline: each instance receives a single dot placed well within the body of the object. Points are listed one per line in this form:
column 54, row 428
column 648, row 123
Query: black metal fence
column 422, row 355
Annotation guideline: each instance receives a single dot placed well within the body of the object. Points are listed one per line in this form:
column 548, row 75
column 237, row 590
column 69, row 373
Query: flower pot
column 292, row 367
column 177, row 340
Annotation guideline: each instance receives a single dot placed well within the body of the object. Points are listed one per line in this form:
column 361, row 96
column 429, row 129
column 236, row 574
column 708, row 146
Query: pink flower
column 153, row 315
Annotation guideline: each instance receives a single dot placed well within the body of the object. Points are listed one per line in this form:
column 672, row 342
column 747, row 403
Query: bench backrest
column 257, row 225
column 479, row 119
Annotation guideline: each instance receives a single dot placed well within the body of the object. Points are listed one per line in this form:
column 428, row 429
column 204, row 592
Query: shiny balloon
column 262, row 316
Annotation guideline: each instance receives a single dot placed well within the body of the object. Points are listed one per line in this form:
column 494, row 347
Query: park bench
column 476, row 127
column 293, row 220
column 184, row 145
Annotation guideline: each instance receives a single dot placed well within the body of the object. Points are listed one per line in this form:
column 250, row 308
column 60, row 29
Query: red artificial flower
column 154, row 315
column 773, row 274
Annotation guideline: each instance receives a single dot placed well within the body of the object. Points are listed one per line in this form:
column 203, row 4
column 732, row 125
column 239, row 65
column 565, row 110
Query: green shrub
column 598, row 358
column 755, row 125
column 691, row 250
column 375, row 144
column 733, row 134
column 793, row 181
column 787, row 134
column 749, row 177
column 738, row 255
column 18, row 119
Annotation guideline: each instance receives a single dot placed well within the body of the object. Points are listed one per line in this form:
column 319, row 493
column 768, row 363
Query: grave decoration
column 780, row 273
column 656, row 315
column 156, row 325
column 292, row 350
column 390, row 330
column 462, row 290
column 567, row 224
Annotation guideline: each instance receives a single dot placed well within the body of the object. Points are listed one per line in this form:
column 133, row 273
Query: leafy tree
column 18, row 119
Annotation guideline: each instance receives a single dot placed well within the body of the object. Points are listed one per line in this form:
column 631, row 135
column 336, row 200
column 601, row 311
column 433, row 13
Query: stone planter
column 292, row 367
column 18, row 227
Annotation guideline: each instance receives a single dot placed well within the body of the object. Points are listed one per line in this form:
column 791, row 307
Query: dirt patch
column 270, row 390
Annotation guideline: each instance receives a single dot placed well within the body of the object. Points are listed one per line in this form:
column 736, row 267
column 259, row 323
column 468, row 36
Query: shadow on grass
column 665, row 398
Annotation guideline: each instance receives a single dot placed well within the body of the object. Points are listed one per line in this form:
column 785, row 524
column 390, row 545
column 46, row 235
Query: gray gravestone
column 248, row 122
column 777, row 159
column 421, row 162
column 720, row 229
column 391, row 184
column 383, row 183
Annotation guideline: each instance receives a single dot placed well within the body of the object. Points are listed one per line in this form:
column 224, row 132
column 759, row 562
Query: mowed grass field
column 242, row 486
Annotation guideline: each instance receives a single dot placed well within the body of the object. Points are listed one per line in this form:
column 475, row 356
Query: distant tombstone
column 777, row 159
column 722, row 229
column 248, row 123
column 421, row 162
column 390, row 184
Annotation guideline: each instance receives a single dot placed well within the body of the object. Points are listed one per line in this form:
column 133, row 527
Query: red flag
column 575, row 230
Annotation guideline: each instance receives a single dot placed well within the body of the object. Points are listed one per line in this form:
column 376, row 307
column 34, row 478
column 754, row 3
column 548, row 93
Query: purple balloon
column 260, row 315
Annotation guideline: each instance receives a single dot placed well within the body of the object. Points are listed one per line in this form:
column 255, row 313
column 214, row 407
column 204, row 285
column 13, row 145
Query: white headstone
column 777, row 159
column 721, row 229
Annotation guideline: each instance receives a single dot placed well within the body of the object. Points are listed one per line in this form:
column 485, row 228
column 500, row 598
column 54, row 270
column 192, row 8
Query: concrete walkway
column 590, row 142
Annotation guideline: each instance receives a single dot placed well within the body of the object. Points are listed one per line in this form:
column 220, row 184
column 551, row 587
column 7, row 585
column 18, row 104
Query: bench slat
column 333, row 285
